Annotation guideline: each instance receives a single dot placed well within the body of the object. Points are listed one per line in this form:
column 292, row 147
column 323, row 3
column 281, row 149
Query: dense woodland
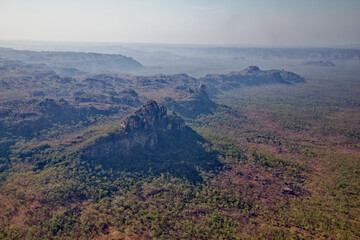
column 263, row 154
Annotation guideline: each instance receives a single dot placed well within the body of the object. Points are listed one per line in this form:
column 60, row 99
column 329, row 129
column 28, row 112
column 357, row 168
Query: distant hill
column 320, row 63
column 181, row 93
column 74, row 61
column 249, row 77
column 338, row 54
column 28, row 118
column 190, row 102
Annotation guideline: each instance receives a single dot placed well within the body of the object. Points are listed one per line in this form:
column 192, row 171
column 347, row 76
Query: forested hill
column 150, row 138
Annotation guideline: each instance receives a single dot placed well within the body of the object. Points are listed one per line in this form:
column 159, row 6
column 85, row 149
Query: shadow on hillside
column 181, row 155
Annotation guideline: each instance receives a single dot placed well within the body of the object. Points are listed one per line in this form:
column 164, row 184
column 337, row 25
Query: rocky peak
column 202, row 88
column 251, row 69
column 142, row 131
column 155, row 141
column 152, row 117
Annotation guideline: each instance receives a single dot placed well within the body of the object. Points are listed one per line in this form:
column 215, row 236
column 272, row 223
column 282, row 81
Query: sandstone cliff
column 151, row 139
column 141, row 130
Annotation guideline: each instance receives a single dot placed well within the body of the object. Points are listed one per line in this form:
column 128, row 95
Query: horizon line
column 56, row 42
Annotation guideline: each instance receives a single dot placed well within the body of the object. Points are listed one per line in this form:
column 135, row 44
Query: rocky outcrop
column 26, row 118
column 127, row 97
column 248, row 77
column 151, row 117
column 151, row 138
column 193, row 101
column 143, row 130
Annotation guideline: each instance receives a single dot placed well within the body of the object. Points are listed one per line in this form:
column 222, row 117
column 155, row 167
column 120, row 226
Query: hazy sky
column 258, row 22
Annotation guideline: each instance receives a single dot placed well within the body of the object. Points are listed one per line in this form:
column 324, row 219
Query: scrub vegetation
column 235, row 159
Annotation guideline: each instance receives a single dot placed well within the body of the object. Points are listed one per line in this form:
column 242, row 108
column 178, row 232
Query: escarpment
column 251, row 76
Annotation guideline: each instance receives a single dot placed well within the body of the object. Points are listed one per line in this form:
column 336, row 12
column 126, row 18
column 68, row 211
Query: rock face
column 150, row 139
column 151, row 117
column 141, row 130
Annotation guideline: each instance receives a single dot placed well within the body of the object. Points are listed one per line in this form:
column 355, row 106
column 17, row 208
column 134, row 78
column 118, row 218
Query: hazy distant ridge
column 84, row 61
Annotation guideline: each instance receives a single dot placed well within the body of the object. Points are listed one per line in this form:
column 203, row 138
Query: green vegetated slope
column 254, row 162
